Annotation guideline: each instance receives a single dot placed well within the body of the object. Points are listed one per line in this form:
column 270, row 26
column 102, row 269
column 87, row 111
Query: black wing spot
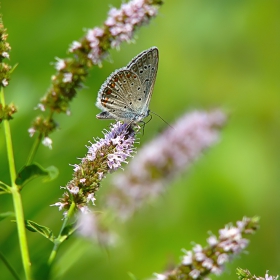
column 147, row 80
column 132, row 84
column 113, row 110
column 153, row 68
column 149, row 66
column 145, row 67
column 124, row 81
column 124, row 107
column 144, row 91
column 139, row 99
column 130, row 103
column 138, row 88
column 141, row 71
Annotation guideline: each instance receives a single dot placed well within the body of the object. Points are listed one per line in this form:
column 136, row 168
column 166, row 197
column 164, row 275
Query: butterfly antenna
column 161, row 119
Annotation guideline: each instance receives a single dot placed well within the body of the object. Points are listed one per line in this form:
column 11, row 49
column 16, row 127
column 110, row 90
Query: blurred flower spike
column 90, row 50
column 6, row 111
column 5, row 48
column 199, row 262
column 245, row 274
column 163, row 159
column 104, row 156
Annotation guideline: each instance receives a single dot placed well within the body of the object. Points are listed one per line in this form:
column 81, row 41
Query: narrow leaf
column 29, row 172
column 4, row 188
column 45, row 231
column 6, row 215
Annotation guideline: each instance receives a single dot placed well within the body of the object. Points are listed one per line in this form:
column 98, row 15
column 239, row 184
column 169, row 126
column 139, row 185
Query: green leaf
column 4, row 188
column 52, row 173
column 13, row 69
column 6, row 215
column 29, row 172
column 45, row 231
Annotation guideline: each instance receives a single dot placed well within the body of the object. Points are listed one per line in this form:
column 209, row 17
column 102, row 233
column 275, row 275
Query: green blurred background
column 219, row 53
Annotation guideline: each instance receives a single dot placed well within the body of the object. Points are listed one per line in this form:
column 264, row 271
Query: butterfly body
column 126, row 93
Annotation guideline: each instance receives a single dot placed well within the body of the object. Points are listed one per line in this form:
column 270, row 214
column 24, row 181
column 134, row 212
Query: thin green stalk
column 16, row 197
column 9, row 267
column 36, row 145
column 61, row 238
column 34, row 149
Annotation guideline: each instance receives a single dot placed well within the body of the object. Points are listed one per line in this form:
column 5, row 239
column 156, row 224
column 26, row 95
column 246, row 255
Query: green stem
column 36, row 144
column 16, row 197
column 61, row 237
column 34, row 149
column 9, row 267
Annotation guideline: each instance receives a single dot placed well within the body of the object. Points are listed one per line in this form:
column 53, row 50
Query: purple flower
column 199, row 262
column 90, row 50
column 245, row 274
column 161, row 160
column 103, row 156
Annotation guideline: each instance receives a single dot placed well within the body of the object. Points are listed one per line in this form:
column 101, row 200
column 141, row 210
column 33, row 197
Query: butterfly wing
column 116, row 96
column 145, row 65
column 126, row 94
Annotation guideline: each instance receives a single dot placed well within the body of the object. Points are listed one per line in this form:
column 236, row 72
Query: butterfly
column 126, row 94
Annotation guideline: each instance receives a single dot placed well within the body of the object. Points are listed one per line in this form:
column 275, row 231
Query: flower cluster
column 244, row 274
column 103, row 156
column 199, row 262
column 161, row 160
column 6, row 111
column 5, row 48
column 122, row 22
column 91, row 50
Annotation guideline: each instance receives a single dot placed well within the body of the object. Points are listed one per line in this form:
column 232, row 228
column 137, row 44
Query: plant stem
column 16, row 197
column 9, row 267
column 34, row 149
column 36, row 145
column 61, row 237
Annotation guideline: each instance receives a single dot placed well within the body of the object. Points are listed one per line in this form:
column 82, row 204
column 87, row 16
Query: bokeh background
column 212, row 54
